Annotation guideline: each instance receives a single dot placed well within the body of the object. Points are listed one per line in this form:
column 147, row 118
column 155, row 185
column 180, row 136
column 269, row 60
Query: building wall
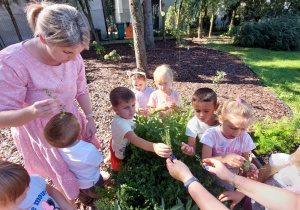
column 9, row 36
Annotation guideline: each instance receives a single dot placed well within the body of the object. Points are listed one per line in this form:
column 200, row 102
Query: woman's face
column 62, row 54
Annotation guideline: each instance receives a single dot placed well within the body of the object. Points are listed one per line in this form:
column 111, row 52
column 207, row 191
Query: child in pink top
column 164, row 99
column 40, row 77
column 229, row 142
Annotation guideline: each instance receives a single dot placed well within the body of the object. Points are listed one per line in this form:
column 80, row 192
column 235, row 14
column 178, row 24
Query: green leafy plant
column 62, row 107
column 99, row 48
column 281, row 135
column 144, row 181
column 114, row 56
column 131, row 44
column 218, row 79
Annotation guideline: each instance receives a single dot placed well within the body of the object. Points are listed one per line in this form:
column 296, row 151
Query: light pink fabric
column 22, row 80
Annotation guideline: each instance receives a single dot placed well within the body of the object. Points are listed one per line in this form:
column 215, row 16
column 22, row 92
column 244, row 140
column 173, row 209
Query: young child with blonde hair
column 142, row 93
column 164, row 99
column 122, row 127
column 18, row 190
column 229, row 142
column 83, row 158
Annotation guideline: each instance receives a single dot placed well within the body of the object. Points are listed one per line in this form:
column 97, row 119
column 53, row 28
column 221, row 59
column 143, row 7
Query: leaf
column 195, row 207
column 189, row 204
column 247, row 164
column 176, row 207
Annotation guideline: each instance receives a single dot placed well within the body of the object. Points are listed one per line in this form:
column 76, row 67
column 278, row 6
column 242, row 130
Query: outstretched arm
column 201, row 196
column 160, row 149
column 269, row 196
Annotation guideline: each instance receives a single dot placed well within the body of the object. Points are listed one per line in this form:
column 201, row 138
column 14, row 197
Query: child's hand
column 163, row 107
column 162, row 150
column 234, row 160
column 252, row 172
column 234, row 196
column 171, row 105
column 186, row 149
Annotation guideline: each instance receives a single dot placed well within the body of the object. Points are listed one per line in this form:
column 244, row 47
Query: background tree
column 213, row 5
column 136, row 11
column 85, row 8
column 201, row 15
column 7, row 7
column 163, row 17
column 148, row 24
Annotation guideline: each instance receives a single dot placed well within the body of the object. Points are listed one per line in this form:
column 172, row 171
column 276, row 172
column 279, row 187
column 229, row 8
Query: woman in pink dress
column 41, row 77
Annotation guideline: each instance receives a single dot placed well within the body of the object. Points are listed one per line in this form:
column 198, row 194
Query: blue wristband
column 190, row 181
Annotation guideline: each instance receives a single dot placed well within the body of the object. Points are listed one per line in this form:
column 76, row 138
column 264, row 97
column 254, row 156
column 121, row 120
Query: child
column 18, row 190
column 122, row 127
column 229, row 142
column 82, row 157
column 164, row 99
column 204, row 102
column 142, row 92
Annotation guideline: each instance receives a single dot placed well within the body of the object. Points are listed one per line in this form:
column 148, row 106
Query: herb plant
column 62, row 107
column 99, row 49
column 114, row 56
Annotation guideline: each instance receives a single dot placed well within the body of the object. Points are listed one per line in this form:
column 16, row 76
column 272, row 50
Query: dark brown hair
column 14, row 181
column 205, row 95
column 119, row 94
column 61, row 132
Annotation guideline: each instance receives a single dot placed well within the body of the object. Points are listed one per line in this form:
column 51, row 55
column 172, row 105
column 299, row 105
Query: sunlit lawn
column 279, row 70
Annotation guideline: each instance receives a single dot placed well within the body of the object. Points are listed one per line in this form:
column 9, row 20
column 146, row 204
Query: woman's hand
column 90, row 129
column 234, row 196
column 46, row 108
column 234, row 160
column 215, row 166
column 178, row 170
column 162, row 150
column 252, row 172
column 186, row 149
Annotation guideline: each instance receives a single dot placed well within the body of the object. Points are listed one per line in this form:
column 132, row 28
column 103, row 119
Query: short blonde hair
column 237, row 107
column 60, row 24
column 62, row 131
column 14, row 181
column 164, row 73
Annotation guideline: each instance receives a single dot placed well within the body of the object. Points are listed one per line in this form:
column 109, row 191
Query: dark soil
column 195, row 68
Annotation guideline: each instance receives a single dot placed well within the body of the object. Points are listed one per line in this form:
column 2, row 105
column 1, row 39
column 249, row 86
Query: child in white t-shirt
column 18, row 190
column 164, row 99
column 204, row 102
column 122, row 127
column 142, row 93
column 229, row 142
column 83, row 158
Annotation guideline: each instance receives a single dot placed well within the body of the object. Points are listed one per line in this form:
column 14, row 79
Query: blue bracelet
column 190, row 181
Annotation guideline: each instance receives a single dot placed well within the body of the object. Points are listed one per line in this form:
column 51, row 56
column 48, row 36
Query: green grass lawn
column 279, row 70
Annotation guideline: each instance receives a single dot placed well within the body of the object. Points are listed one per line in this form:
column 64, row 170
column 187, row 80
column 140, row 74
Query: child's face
column 139, row 84
column 164, row 86
column 204, row 110
column 233, row 126
column 125, row 109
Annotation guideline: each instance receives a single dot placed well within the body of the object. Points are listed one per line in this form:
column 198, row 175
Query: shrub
column 144, row 181
column 282, row 33
column 271, row 136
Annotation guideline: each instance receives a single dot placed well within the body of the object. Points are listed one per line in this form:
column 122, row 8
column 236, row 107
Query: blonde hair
column 135, row 75
column 61, row 132
column 164, row 73
column 59, row 24
column 294, row 160
column 237, row 107
column 14, row 181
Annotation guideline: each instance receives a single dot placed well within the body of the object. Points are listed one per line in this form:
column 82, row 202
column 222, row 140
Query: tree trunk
column 149, row 37
column 136, row 11
column 211, row 22
column 163, row 17
column 178, row 14
column 200, row 28
column 7, row 7
column 232, row 18
column 88, row 15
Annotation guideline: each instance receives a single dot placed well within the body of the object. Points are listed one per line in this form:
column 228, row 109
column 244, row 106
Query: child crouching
column 82, row 157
